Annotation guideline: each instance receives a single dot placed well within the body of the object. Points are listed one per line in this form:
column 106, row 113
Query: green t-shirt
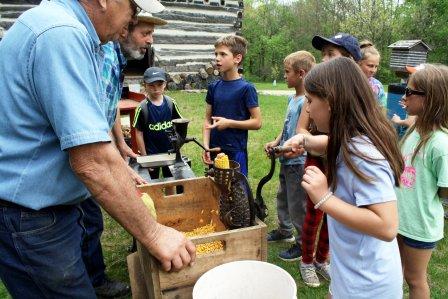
column 419, row 206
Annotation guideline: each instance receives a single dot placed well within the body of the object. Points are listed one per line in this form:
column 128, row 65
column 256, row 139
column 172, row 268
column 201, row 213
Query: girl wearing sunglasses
column 424, row 182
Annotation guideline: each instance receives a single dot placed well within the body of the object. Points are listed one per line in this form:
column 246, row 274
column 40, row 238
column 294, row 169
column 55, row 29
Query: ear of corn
column 222, row 161
column 149, row 203
column 205, row 247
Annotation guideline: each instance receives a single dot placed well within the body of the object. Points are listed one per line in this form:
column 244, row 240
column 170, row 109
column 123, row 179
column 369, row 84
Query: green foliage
column 277, row 28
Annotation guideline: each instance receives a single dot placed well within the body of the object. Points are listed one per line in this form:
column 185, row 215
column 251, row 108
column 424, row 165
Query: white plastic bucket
column 245, row 280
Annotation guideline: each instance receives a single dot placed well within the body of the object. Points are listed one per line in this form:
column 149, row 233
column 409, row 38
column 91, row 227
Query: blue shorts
column 418, row 244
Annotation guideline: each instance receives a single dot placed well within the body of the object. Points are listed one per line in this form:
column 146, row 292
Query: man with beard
column 134, row 40
column 133, row 45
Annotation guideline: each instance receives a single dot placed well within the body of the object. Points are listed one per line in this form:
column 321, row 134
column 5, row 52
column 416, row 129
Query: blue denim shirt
column 51, row 100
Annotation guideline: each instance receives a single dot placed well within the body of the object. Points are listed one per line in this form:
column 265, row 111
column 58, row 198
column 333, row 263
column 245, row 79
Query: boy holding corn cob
column 232, row 105
column 291, row 201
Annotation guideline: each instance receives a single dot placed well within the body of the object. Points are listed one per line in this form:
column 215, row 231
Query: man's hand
column 296, row 144
column 125, row 151
column 315, row 183
column 220, row 123
column 172, row 248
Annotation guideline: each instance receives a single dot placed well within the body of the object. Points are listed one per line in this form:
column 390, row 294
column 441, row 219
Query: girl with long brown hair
column 424, row 182
column 357, row 192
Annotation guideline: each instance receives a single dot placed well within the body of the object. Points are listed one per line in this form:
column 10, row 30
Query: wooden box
column 191, row 209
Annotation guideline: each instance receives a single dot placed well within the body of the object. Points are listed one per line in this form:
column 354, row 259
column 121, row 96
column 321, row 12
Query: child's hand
column 126, row 151
column 296, row 143
column 138, row 180
column 220, row 123
column 402, row 104
column 396, row 119
column 206, row 158
column 268, row 146
column 315, row 183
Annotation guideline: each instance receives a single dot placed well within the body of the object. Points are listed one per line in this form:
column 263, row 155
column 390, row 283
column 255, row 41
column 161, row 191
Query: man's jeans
column 92, row 253
column 41, row 253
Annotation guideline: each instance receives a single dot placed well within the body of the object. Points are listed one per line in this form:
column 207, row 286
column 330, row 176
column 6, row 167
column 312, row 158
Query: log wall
column 185, row 45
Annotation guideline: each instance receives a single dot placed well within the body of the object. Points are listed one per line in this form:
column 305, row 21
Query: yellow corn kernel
column 222, row 161
column 205, row 247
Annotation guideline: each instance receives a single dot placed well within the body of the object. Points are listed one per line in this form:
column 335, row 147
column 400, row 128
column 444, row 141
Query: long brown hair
column 433, row 80
column 354, row 112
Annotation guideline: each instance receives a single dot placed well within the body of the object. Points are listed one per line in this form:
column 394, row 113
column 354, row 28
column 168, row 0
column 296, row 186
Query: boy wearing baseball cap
column 153, row 116
column 341, row 44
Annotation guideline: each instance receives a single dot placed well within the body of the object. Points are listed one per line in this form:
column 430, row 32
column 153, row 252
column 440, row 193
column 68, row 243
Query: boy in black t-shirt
column 153, row 116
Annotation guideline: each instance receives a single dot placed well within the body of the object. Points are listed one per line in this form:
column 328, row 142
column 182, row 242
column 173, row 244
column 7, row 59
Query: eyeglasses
column 409, row 91
column 135, row 8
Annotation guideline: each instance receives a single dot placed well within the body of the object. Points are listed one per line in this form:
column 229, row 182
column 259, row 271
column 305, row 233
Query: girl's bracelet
column 323, row 199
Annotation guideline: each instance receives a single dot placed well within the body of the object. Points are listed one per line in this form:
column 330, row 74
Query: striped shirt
column 112, row 78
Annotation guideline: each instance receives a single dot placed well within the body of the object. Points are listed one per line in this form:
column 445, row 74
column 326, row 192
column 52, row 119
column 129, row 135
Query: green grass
column 116, row 241
column 268, row 86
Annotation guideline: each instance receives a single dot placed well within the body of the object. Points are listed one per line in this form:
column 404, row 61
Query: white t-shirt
column 363, row 266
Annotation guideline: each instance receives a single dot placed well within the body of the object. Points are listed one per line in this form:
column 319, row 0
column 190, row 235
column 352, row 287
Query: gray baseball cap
column 154, row 74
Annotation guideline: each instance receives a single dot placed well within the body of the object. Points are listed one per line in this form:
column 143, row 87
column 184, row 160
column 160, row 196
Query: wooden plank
column 197, row 17
column 200, row 28
column 150, row 271
column 136, row 277
column 239, row 244
column 212, row 5
column 180, row 293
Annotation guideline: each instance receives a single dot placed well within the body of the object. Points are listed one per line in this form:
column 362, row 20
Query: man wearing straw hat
column 133, row 44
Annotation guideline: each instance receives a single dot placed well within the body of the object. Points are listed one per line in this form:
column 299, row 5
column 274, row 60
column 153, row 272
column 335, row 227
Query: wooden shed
column 408, row 52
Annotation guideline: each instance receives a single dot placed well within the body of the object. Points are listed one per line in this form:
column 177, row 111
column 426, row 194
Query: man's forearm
column 102, row 170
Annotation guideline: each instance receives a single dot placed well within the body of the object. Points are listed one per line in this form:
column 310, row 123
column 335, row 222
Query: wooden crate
column 184, row 212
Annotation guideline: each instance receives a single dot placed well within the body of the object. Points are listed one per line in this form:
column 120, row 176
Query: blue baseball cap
column 154, row 74
column 343, row 40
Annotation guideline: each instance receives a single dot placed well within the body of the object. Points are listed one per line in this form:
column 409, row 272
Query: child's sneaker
column 292, row 254
column 276, row 236
column 309, row 276
column 323, row 269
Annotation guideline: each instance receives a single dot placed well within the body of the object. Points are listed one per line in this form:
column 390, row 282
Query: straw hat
column 152, row 6
column 147, row 17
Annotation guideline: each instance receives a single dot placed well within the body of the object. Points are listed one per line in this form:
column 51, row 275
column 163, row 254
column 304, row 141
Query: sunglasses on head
column 136, row 9
column 409, row 91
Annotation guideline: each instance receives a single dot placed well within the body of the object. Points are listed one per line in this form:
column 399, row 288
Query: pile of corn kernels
column 206, row 247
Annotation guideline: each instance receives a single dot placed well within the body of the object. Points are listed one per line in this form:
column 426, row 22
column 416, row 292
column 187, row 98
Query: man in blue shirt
column 55, row 150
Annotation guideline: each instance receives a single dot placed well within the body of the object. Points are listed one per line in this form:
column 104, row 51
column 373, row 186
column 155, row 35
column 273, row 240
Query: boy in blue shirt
column 232, row 104
column 291, row 199
column 153, row 117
